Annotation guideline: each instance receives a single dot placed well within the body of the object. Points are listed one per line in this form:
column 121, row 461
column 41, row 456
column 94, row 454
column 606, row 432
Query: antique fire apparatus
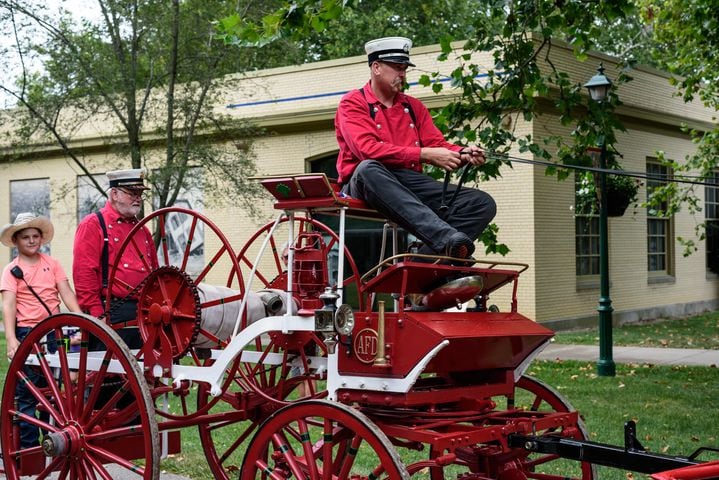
column 283, row 379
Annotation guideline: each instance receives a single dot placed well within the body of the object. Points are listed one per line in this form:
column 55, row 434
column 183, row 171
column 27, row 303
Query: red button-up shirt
column 87, row 253
column 391, row 137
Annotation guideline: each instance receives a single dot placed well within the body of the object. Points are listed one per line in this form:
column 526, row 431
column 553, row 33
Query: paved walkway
column 655, row 356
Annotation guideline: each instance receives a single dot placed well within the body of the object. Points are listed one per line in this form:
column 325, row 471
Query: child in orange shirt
column 22, row 309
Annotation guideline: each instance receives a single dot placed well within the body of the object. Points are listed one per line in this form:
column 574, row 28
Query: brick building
column 536, row 216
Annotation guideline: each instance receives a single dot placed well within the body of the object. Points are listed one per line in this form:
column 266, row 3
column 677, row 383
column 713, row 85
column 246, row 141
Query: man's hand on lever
column 441, row 157
column 473, row 155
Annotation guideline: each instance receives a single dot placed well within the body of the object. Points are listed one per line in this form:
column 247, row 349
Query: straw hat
column 27, row 220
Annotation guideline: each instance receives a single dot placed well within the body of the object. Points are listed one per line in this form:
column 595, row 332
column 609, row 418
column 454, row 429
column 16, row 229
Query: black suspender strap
column 407, row 105
column 104, row 257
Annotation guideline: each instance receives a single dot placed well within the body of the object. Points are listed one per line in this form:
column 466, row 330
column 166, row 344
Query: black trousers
column 125, row 312
column 412, row 200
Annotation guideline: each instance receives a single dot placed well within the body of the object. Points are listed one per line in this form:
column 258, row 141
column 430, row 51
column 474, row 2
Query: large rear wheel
column 93, row 407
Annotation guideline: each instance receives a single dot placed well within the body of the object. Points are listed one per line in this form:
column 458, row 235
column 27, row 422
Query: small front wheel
column 321, row 439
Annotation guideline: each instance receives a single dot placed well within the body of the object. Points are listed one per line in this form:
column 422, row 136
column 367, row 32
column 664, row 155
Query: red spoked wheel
column 271, row 374
column 271, row 268
column 192, row 250
column 321, row 439
column 193, row 257
column 93, row 407
column 536, row 396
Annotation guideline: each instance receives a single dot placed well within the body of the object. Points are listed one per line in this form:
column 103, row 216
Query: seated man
column 385, row 136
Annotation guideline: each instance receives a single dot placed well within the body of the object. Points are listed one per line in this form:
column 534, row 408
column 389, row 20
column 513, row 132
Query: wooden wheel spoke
column 188, row 247
column 49, row 379
column 97, row 385
column 327, row 445
column 306, row 442
column 42, row 399
column 32, row 420
column 210, row 264
column 222, row 300
column 126, row 286
column 108, row 457
column 536, row 404
column 260, row 276
column 51, row 468
column 347, row 458
column 92, row 465
column 276, row 254
column 233, row 448
column 71, row 392
column 141, row 254
column 109, row 405
column 163, row 239
column 330, row 244
column 283, row 446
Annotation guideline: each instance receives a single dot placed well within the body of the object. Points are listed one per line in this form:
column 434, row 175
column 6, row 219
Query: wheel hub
column 63, row 442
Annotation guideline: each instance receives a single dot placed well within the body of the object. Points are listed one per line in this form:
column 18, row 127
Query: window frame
column 711, row 205
column 654, row 167
column 586, row 244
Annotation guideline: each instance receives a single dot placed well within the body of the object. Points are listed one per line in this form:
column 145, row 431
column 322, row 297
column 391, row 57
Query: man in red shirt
column 385, row 136
column 91, row 264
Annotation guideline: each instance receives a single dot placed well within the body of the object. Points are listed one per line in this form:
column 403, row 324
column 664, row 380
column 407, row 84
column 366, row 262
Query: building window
column 89, row 198
column 659, row 228
column 711, row 209
column 30, row 196
column 586, row 226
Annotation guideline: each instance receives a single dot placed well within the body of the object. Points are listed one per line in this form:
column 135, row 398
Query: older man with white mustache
column 97, row 242
column 385, row 136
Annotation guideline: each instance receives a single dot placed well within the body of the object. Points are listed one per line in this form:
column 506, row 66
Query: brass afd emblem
column 365, row 345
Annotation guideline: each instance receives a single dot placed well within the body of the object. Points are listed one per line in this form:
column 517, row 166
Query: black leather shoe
column 459, row 246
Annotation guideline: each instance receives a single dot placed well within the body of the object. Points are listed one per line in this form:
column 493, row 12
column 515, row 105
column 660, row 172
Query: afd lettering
column 365, row 345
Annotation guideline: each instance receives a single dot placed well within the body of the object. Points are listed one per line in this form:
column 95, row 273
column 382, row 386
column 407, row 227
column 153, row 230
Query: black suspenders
column 104, row 257
column 406, row 105
column 444, row 207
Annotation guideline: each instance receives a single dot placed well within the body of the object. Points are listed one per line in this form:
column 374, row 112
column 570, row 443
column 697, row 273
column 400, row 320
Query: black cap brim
column 401, row 60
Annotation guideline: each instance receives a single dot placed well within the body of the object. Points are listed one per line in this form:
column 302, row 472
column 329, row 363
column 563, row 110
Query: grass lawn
column 701, row 331
column 673, row 406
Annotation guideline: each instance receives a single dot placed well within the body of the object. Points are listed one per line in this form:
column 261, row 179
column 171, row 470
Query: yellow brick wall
column 558, row 293
column 296, row 105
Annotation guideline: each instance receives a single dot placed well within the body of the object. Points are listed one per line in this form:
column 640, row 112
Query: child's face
column 28, row 241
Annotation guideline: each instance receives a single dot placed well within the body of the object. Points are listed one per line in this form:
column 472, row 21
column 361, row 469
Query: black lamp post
column 598, row 87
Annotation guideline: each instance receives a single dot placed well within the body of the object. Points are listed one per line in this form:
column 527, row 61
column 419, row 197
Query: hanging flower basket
column 621, row 192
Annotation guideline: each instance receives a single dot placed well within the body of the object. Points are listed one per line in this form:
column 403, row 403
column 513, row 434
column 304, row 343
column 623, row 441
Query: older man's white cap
column 132, row 178
column 389, row 49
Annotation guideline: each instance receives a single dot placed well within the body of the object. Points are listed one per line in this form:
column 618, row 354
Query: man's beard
column 129, row 211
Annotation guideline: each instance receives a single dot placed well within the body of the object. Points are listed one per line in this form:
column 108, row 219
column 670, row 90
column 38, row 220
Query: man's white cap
column 389, row 49
column 133, row 178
